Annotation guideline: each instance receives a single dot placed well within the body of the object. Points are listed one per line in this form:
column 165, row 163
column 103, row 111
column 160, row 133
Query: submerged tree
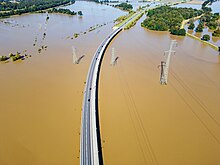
column 205, row 37
column 80, row 13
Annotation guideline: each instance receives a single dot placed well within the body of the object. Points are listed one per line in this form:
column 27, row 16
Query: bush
column 205, row 37
column 80, row 13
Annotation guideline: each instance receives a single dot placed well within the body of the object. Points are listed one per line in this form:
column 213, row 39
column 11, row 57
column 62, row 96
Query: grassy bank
column 134, row 21
column 121, row 20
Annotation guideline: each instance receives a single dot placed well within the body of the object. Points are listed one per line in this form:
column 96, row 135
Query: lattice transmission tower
column 75, row 58
column 166, row 64
column 113, row 57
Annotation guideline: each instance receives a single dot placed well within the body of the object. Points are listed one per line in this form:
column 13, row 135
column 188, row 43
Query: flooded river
column 142, row 122
column 41, row 97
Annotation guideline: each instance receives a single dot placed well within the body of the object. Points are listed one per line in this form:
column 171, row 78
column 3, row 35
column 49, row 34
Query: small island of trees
column 205, row 37
column 124, row 6
column 14, row 57
column 166, row 18
column 62, row 11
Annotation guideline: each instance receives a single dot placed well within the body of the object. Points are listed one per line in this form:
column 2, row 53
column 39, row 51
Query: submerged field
column 142, row 122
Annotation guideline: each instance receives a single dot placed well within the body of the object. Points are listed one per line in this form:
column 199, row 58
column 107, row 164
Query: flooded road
column 142, row 122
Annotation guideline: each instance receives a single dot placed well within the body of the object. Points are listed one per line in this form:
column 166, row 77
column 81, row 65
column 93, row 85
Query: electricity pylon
column 75, row 59
column 113, row 57
column 165, row 65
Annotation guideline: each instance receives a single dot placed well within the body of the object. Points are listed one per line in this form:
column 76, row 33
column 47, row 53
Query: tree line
column 124, row 6
column 8, row 8
column 62, row 11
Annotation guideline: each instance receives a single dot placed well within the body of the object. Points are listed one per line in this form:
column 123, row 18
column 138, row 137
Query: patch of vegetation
column 133, row 22
column 4, row 58
column 166, row 18
column 92, row 28
column 200, row 27
column 9, row 8
column 205, row 3
column 124, row 6
column 80, row 13
column 41, row 48
column 211, row 20
column 62, row 11
column 17, row 56
column 122, row 19
column 191, row 25
column 216, row 33
column 178, row 32
column 76, row 35
column 205, row 37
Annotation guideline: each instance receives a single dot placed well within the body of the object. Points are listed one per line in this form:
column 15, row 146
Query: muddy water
column 143, row 122
column 41, row 97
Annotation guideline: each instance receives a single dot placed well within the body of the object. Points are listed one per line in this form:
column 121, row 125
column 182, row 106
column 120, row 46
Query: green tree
column 191, row 26
column 212, row 25
column 200, row 27
column 80, row 13
column 205, row 37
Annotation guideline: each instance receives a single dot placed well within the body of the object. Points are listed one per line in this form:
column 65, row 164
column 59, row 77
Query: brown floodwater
column 41, row 97
column 142, row 122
